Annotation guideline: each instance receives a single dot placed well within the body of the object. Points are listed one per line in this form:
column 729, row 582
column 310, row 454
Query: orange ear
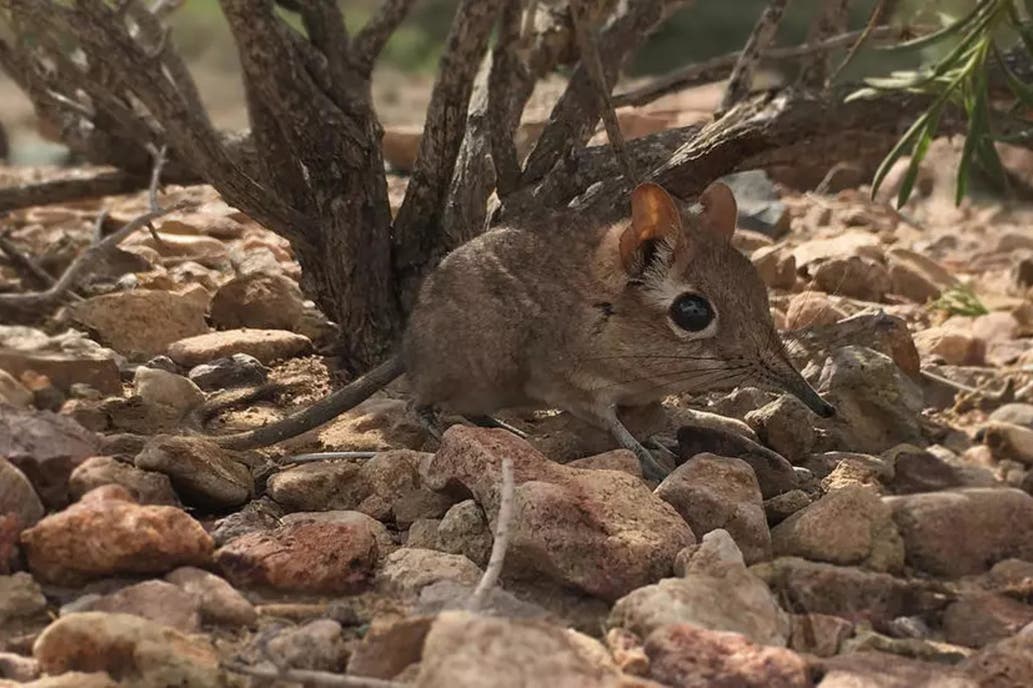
column 720, row 211
column 654, row 215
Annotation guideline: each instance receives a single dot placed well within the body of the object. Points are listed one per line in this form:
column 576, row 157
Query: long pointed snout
column 793, row 382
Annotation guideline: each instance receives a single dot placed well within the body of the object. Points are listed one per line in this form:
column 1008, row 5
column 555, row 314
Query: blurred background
column 704, row 29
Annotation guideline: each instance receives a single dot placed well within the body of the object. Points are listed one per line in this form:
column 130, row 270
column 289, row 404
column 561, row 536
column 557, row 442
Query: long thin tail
column 323, row 411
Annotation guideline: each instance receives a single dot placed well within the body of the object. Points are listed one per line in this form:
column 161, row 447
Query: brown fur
column 557, row 316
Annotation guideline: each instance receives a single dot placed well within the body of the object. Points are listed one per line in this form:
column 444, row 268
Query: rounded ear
column 720, row 211
column 654, row 215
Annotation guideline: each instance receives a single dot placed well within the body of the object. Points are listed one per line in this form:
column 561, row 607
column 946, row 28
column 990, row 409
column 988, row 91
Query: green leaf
column 1024, row 28
column 917, row 155
column 944, row 33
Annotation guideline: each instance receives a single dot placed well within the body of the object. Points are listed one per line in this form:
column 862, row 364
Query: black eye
column 691, row 312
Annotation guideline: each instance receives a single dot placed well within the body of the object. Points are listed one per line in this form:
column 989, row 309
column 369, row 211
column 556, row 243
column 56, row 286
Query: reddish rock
column 306, row 556
column 691, row 657
column 265, row 345
column 156, row 600
column 17, row 496
column 965, row 531
column 602, row 532
column 143, row 322
column 713, row 492
column 1005, row 664
column 811, row 308
column 107, row 533
column 983, row 618
column 258, row 300
column 46, row 447
column 884, row 670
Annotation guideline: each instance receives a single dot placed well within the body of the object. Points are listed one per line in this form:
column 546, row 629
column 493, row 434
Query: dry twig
column 503, row 531
column 308, row 677
column 589, row 47
column 88, row 260
column 718, row 68
column 741, row 80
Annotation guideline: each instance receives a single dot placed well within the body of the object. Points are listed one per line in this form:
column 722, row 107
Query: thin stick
column 719, row 67
column 24, row 262
column 588, row 45
column 877, row 16
column 309, row 677
column 90, row 258
column 503, row 529
column 763, row 33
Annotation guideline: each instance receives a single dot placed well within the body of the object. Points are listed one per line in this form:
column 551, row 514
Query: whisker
column 683, row 375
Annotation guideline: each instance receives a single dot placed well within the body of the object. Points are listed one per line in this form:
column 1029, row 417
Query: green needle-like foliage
column 959, row 79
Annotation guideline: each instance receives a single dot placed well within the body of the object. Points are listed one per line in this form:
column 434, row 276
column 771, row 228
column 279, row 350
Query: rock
column 146, row 487
column 737, row 601
column 171, row 396
column 983, row 618
column 461, row 649
column 65, row 359
column 465, row 530
column 1015, row 413
column 854, row 277
column 125, row 537
column 17, row 495
column 883, row 670
column 717, row 492
column 388, row 647
column 18, row 668
column 811, row 309
column 257, row 515
column 964, row 531
column 69, row 679
column 950, row 345
column 691, row 657
column 760, row 207
column 387, row 487
column 716, row 554
column 155, row 600
column 45, row 447
column 202, row 472
column 839, row 590
column 320, row 556
column 776, row 266
column 602, row 532
column 847, row 526
column 847, row 243
column 821, row 635
column 627, row 651
column 877, row 405
column 887, row 334
column 220, row 603
column 786, row 426
column 1005, row 664
column 854, row 470
column 264, row 345
column 143, row 322
column 780, row 507
column 239, row 370
column 616, row 460
column 258, row 300
column 917, row 277
column 406, row 571
column 12, row 393
column 142, row 653
column 1008, row 442
column 317, row 645
column 20, row 598
column 775, row 475
column 10, row 528
column 916, row 470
